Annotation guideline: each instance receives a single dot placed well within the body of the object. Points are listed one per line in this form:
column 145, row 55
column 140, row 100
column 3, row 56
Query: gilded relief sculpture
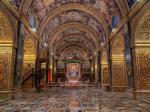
column 119, row 79
column 3, row 71
column 106, row 78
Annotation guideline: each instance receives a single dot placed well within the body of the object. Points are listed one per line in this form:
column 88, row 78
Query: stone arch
column 119, row 79
column 7, row 51
column 141, row 52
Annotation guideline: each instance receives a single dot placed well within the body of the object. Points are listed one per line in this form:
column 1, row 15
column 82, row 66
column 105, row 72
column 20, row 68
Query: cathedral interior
column 74, row 55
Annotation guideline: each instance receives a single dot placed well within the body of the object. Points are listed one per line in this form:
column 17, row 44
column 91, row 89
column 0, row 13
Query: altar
column 73, row 74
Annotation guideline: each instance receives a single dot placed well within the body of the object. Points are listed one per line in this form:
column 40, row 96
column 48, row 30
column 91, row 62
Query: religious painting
column 73, row 74
column 73, row 70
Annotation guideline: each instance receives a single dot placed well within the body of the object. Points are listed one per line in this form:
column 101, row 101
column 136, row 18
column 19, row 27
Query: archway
column 141, row 53
column 6, row 53
column 119, row 80
column 73, row 6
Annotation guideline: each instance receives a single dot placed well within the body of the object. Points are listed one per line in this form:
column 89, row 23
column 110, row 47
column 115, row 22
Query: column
column 19, row 57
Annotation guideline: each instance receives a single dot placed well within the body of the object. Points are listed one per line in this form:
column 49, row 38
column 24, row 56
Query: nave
column 74, row 55
column 59, row 99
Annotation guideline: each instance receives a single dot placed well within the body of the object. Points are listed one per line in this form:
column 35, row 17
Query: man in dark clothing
column 37, row 79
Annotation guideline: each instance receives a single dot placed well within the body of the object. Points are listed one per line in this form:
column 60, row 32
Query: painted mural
column 75, row 16
column 73, row 70
column 104, row 7
column 107, row 9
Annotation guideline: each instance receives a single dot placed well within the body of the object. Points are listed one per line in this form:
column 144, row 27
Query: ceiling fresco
column 89, row 31
column 74, row 37
column 74, row 16
column 106, row 8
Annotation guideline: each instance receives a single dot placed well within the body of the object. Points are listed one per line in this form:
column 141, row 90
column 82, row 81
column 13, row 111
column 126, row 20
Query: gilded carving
column 118, row 63
column 5, row 32
column 118, row 74
column 143, row 67
column 29, row 46
column 29, row 55
column 106, row 78
column 5, row 52
column 141, row 53
column 105, row 73
column 144, row 36
column 4, row 71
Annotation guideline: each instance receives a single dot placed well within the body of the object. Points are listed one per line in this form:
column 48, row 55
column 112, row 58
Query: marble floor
column 74, row 100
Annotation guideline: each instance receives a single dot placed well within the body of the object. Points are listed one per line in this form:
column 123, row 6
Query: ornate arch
column 6, row 52
column 140, row 27
column 136, row 22
column 74, row 6
column 6, row 34
column 79, row 26
column 29, row 45
column 118, row 46
column 119, row 78
column 24, row 6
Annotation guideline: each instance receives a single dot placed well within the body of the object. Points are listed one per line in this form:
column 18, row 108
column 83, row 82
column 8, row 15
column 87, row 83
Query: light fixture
column 52, row 53
column 45, row 44
column 113, row 29
column 34, row 29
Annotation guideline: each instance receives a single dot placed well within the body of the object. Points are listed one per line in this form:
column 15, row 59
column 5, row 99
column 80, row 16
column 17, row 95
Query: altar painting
column 73, row 74
column 73, row 70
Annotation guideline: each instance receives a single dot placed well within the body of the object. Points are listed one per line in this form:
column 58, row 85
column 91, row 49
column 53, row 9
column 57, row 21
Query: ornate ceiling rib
column 74, row 6
column 76, row 25
column 25, row 4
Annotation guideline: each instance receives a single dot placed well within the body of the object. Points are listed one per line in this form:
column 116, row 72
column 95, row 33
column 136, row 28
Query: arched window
column 102, row 37
column 15, row 2
column 32, row 22
column 131, row 2
column 115, row 21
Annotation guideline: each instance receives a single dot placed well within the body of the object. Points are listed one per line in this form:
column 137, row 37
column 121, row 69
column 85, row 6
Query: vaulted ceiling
column 77, row 25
